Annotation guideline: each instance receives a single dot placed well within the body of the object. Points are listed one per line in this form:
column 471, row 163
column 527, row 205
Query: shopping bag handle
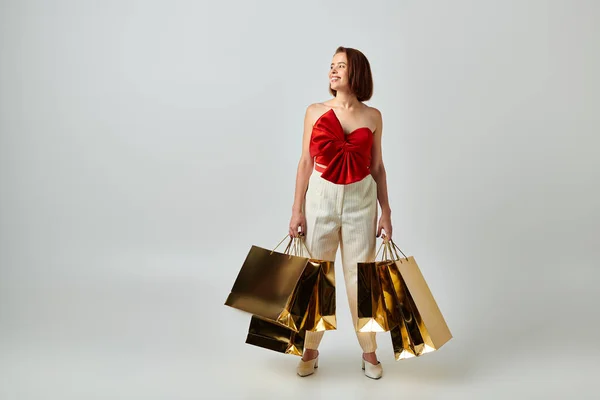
column 389, row 247
column 300, row 238
column 395, row 247
column 289, row 245
column 384, row 245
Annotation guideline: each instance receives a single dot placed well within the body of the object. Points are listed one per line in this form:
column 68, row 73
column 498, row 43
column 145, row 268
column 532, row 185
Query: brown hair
column 359, row 73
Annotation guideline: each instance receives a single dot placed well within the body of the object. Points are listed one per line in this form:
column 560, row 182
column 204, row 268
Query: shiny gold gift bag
column 281, row 287
column 315, row 294
column 320, row 313
column 405, row 305
column 273, row 336
column 422, row 328
column 376, row 297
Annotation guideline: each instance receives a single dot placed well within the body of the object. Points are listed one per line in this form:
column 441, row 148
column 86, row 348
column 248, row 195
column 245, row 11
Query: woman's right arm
column 305, row 167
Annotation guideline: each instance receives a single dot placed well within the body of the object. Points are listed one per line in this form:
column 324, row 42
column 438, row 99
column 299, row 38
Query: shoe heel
column 372, row 371
column 306, row 368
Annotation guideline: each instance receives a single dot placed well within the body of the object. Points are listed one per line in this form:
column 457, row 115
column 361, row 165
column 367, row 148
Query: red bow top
column 347, row 156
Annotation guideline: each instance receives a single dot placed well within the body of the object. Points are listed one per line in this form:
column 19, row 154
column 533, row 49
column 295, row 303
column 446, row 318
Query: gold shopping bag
column 280, row 287
column 376, row 299
column 273, row 336
column 315, row 298
column 320, row 314
column 422, row 328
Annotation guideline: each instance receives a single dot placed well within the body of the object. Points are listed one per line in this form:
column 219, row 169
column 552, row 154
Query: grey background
column 145, row 146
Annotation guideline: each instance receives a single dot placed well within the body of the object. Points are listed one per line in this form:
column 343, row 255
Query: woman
column 339, row 180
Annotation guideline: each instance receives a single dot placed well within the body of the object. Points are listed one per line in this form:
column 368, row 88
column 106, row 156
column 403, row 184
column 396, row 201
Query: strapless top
column 347, row 156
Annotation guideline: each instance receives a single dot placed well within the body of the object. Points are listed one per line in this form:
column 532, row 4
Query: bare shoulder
column 375, row 116
column 312, row 108
column 314, row 111
column 373, row 112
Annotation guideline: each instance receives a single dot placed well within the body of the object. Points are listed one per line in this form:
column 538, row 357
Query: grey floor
column 162, row 338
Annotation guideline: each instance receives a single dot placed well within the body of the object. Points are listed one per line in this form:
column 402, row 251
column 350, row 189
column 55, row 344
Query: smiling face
column 338, row 71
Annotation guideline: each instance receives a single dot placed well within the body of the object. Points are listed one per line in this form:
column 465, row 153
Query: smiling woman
column 340, row 178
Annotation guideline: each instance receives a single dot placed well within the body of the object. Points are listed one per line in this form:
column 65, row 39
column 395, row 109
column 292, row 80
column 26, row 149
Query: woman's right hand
column 298, row 220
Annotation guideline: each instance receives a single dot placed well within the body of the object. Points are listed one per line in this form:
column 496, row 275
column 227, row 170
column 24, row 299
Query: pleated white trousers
column 344, row 215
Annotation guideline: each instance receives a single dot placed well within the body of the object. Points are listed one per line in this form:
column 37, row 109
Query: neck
column 346, row 100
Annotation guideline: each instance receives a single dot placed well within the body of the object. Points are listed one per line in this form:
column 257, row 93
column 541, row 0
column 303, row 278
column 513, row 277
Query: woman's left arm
column 378, row 173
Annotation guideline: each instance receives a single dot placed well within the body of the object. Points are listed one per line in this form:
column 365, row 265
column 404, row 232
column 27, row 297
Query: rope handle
column 389, row 250
column 293, row 245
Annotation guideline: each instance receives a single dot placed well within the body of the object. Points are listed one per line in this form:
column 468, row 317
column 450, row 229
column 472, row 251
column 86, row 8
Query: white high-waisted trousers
column 345, row 215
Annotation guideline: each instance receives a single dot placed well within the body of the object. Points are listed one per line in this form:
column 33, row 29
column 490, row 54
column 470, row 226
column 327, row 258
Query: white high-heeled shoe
column 306, row 368
column 372, row 371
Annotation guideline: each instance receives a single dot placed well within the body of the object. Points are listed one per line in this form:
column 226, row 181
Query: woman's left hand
column 385, row 223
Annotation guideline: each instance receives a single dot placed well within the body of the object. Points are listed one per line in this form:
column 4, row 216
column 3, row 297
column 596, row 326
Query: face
column 338, row 71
